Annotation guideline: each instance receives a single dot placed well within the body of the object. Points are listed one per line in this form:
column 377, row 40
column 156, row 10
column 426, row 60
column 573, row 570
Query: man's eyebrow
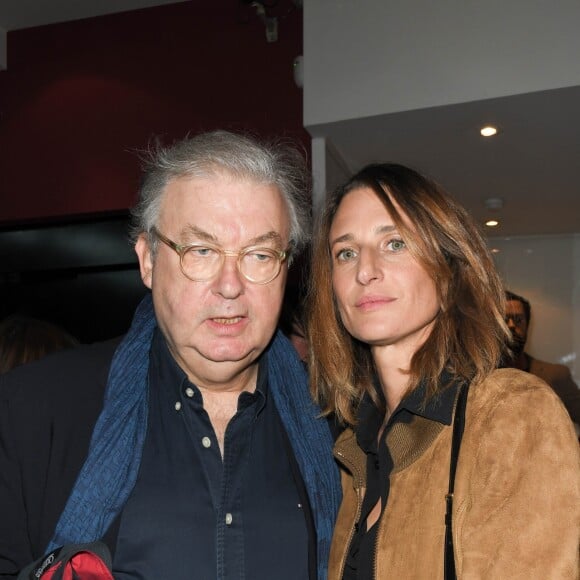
column 195, row 232
column 192, row 231
column 350, row 237
column 267, row 237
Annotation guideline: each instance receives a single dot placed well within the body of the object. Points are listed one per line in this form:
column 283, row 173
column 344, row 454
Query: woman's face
column 384, row 295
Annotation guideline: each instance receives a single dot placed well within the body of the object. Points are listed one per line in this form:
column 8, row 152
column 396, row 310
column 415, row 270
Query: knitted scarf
column 110, row 470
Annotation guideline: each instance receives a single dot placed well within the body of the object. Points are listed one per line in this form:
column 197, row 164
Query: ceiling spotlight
column 488, row 131
column 491, row 223
column 493, row 203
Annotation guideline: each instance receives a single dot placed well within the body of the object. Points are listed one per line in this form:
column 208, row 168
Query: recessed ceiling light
column 493, row 203
column 491, row 223
column 488, row 131
column 495, row 250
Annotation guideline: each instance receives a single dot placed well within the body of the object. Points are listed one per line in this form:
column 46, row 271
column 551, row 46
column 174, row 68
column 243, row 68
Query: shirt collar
column 164, row 365
column 438, row 408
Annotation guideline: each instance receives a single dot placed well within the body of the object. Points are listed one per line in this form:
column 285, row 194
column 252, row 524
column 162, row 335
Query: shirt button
column 206, row 442
column 189, row 392
column 177, row 406
column 229, row 519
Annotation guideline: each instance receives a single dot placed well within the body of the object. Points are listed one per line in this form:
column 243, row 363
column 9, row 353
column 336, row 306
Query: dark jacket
column 560, row 379
column 45, row 430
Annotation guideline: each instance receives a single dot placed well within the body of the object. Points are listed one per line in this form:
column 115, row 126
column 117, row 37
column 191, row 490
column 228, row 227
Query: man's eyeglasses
column 517, row 319
column 202, row 261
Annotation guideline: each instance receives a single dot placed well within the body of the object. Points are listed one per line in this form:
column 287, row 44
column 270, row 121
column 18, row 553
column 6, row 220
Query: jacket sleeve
column 520, row 517
column 47, row 412
column 15, row 549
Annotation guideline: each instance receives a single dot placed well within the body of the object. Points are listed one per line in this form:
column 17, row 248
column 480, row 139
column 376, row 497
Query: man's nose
column 229, row 282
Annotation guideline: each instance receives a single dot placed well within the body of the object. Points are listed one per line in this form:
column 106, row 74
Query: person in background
column 292, row 323
column 406, row 328
column 191, row 449
column 24, row 339
column 518, row 315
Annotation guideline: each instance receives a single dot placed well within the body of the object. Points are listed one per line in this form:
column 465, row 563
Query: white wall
column 546, row 271
column 371, row 57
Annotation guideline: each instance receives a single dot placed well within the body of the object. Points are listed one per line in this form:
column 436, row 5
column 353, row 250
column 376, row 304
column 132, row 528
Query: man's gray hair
column 222, row 152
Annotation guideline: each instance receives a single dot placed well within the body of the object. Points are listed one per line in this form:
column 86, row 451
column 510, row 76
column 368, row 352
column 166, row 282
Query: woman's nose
column 369, row 267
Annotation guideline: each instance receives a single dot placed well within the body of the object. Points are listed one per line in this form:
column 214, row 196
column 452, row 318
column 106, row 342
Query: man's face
column 516, row 320
column 217, row 328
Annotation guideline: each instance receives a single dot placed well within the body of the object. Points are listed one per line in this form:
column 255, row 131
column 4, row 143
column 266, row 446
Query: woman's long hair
column 469, row 334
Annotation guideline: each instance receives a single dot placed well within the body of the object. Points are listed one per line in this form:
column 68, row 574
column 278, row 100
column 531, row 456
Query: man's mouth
column 227, row 321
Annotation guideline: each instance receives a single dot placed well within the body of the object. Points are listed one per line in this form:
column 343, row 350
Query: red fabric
column 49, row 574
column 82, row 566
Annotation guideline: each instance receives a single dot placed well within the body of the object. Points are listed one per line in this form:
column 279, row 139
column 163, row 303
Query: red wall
column 79, row 98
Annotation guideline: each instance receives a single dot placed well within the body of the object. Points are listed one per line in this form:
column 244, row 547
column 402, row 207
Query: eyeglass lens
column 257, row 265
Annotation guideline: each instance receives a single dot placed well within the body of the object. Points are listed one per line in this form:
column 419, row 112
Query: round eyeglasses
column 202, row 261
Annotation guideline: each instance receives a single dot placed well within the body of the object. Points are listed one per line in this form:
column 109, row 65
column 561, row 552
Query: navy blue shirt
column 192, row 515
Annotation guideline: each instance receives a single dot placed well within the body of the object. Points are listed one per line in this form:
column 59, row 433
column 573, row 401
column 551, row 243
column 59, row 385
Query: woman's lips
column 369, row 302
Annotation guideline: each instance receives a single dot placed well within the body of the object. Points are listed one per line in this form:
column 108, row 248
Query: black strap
column 53, row 564
column 458, row 426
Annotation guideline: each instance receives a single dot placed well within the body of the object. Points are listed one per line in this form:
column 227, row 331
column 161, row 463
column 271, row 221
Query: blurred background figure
column 24, row 339
column 292, row 322
column 518, row 314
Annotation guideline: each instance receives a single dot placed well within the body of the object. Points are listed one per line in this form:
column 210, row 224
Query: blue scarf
column 110, row 470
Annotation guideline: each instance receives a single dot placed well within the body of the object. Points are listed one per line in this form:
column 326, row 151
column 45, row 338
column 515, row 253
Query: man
column 207, row 458
column 518, row 313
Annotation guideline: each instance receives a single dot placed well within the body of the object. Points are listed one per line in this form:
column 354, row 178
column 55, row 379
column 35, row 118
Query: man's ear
column 143, row 252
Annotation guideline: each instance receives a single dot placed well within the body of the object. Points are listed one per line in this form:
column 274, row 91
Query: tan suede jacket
column 516, row 512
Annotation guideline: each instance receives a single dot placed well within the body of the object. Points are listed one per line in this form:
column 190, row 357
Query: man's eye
column 260, row 256
column 201, row 252
column 345, row 255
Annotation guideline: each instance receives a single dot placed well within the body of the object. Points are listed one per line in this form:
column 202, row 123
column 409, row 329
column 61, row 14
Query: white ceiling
column 533, row 164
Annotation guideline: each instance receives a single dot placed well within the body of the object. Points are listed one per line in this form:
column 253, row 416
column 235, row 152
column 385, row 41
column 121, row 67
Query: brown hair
column 469, row 334
column 24, row 339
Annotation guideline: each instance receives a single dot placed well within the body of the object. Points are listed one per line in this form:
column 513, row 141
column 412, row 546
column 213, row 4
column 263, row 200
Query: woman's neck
column 392, row 367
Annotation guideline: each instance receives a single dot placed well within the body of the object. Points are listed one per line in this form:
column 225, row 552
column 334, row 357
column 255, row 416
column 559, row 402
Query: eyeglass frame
column 182, row 249
column 517, row 319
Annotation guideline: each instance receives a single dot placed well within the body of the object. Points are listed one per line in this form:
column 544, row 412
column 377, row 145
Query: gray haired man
column 190, row 449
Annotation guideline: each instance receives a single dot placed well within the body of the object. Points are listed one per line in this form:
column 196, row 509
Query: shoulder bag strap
column 458, row 426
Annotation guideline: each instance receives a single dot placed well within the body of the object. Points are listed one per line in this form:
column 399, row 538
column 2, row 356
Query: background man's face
column 516, row 320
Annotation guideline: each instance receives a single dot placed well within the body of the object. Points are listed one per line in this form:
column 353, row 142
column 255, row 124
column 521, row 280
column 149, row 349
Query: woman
column 406, row 311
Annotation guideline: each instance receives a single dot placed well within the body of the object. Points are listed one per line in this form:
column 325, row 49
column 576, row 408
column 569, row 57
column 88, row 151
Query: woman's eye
column 345, row 255
column 396, row 245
